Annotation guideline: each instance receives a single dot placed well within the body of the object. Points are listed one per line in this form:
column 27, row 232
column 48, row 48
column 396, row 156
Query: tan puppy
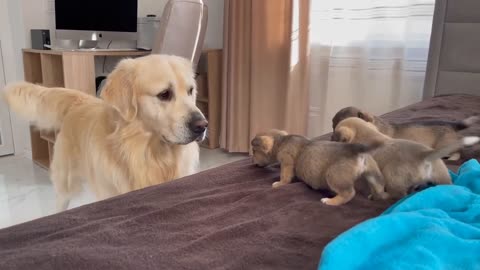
column 403, row 163
column 143, row 133
column 435, row 134
column 320, row 164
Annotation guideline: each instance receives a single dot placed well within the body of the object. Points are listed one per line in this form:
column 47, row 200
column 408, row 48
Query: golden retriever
column 143, row 132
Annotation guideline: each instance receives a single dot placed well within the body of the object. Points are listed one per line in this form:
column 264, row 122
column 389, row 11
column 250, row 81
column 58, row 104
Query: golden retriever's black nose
column 198, row 124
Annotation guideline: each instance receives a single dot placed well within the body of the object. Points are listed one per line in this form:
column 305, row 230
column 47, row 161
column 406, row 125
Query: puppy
column 141, row 133
column 320, row 164
column 403, row 163
column 435, row 134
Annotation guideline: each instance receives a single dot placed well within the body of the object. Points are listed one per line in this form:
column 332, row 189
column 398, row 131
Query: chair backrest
column 182, row 29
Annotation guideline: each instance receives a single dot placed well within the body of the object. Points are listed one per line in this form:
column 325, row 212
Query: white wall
column 13, row 36
column 146, row 7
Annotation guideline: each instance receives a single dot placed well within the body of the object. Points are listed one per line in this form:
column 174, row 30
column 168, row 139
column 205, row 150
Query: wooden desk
column 56, row 68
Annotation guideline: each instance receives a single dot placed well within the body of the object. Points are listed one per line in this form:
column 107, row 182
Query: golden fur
column 130, row 140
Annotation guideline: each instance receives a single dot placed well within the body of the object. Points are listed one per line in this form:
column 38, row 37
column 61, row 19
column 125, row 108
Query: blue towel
column 438, row 228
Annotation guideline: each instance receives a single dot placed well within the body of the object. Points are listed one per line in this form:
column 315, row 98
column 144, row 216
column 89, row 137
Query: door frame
column 6, row 134
column 12, row 35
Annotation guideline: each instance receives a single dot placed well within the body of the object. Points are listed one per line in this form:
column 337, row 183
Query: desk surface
column 92, row 52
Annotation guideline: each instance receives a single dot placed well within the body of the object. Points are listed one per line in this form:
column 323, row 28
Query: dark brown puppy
column 435, row 134
column 403, row 163
column 320, row 164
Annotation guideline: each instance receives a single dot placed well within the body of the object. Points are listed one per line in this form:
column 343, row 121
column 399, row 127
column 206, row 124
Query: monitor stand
column 84, row 45
column 87, row 44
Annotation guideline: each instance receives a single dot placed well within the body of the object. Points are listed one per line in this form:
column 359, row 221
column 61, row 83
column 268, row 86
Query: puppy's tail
column 452, row 148
column 358, row 148
column 45, row 107
column 466, row 123
column 420, row 186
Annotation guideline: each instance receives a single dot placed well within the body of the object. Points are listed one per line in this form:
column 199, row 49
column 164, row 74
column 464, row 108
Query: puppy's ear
column 256, row 142
column 263, row 143
column 278, row 132
column 365, row 116
column 344, row 134
column 335, row 137
column 119, row 90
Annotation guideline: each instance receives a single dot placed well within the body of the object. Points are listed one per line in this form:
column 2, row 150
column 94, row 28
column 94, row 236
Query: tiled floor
column 26, row 192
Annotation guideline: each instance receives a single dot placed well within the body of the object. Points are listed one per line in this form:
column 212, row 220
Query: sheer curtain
column 367, row 53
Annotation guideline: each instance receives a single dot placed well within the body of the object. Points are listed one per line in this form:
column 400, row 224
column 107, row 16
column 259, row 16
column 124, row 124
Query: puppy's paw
column 455, row 156
column 277, row 184
column 380, row 196
column 327, row 201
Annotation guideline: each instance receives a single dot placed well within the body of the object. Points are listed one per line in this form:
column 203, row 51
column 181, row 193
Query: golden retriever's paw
column 277, row 184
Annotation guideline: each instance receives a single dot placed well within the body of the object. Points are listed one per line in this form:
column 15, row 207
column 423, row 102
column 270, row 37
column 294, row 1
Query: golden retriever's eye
column 190, row 91
column 165, row 95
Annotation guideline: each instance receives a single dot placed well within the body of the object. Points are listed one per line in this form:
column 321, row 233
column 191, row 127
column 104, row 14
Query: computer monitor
column 95, row 20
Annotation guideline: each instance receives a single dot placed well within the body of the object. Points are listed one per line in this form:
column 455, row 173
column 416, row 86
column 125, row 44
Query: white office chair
column 182, row 29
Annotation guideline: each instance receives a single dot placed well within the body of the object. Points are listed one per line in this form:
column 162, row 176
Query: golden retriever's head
column 262, row 146
column 159, row 91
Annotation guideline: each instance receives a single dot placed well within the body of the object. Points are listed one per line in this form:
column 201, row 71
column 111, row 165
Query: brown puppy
column 320, row 164
column 403, row 163
column 435, row 134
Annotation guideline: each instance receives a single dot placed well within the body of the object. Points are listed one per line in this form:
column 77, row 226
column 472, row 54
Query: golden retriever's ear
column 119, row 90
column 365, row 116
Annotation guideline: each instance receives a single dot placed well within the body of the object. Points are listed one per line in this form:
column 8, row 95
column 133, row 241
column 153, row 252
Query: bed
column 229, row 217
column 225, row 218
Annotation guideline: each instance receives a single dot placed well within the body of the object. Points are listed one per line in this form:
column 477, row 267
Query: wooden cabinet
column 209, row 83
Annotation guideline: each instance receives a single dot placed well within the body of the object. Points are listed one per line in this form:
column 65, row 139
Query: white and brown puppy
column 320, row 164
column 403, row 163
column 141, row 133
column 433, row 133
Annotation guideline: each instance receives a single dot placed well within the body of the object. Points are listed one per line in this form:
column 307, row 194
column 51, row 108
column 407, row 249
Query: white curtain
column 366, row 53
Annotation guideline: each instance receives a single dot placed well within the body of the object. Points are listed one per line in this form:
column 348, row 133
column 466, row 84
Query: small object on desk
column 147, row 27
column 107, row 50
column 40, row 39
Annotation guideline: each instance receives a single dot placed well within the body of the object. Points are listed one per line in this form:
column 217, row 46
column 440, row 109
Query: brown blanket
column 224, row 218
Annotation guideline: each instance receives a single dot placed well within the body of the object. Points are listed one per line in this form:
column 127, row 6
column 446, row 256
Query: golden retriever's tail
column 451, row 148
column 45, row 107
